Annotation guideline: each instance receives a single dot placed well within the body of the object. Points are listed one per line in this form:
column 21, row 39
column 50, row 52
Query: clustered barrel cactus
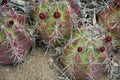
column 55, row 22
column 14, row 38
column 87, row 56
column 110, row 19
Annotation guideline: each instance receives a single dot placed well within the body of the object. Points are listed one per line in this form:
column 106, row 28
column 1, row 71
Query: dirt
column 35, row 67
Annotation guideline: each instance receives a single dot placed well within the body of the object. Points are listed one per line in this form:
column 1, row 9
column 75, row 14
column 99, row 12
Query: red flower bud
column 57, row 15
column 108, row 39
column 79, row 49
column 102, row 49
column 42, row 16
column 11, row 22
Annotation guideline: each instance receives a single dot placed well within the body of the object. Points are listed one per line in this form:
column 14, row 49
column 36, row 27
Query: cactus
column 75, row 7
column 86, row 57
column 110, row 19
column 55, row 22
column 14, row 38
